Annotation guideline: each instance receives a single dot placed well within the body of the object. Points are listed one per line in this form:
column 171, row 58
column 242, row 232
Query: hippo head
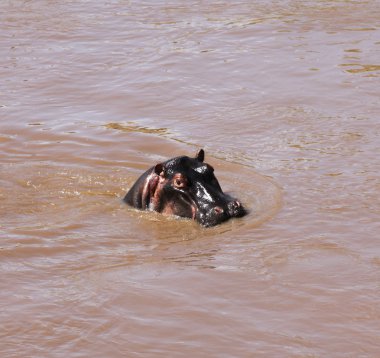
column 187, row 187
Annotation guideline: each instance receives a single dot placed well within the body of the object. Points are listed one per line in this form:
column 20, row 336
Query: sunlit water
column 283, row 97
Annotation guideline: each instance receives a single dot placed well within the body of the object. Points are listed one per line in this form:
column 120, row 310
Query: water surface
column 283, row 97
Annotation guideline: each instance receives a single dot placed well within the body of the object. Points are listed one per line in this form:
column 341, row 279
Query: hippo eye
column 180, row 181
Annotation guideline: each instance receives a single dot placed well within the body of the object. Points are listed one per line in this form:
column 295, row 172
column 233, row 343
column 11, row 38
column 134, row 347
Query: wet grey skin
column 185, row 187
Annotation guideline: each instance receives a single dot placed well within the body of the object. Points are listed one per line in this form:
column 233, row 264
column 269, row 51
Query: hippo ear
column 200, row 155
column 159, row 169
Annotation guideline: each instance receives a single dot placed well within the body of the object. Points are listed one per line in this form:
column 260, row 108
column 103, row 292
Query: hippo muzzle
column 185, row 187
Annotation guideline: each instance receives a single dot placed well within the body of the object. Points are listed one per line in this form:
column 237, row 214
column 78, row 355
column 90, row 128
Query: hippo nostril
column 235, row 208
column 233, row 205
column 218, row 210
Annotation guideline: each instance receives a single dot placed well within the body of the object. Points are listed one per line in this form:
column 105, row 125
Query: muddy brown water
column 284, row 98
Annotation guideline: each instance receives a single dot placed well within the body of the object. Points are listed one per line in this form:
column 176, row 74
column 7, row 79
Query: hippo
column 184, row 187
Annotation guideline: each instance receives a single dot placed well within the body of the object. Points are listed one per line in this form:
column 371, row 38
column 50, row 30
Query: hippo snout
column 219, row 214
column 235, row 209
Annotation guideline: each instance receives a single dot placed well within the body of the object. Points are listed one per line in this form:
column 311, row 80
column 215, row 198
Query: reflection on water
column 362, row 68
column 283, row 96
column 134, row 128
